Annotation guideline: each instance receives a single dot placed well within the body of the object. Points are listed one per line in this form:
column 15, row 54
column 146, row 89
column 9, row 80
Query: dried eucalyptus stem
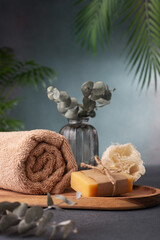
column 95, row 95
column 35, row 220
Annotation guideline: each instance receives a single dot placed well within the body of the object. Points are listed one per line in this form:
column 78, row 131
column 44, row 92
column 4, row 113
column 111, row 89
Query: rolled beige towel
column 35, row 162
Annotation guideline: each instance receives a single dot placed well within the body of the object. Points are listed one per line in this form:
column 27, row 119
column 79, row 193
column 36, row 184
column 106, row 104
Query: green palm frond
column 144, row 39
column 9, row 124
column 12, row 73
column 6, row 122
column 16, row 72
column 34, row 74
column 93, row 22
column 6, row 58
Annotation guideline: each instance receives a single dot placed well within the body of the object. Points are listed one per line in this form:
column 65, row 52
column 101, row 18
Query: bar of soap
column 92, row 183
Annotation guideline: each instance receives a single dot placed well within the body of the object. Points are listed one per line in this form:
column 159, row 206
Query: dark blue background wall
column 43, row 30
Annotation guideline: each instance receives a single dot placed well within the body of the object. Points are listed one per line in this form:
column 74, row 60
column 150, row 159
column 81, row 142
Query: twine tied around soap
column 104, row 170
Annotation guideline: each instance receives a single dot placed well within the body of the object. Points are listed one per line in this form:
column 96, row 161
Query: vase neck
column 79, row 121
column 85, row 121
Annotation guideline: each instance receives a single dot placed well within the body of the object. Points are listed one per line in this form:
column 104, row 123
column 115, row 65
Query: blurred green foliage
column 95, row 20
column 14, row 73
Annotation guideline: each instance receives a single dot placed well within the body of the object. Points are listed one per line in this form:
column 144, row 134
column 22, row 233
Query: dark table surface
column 141, row 224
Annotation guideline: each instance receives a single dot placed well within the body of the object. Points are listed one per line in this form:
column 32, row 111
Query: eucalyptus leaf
column 67, row 102
column 43, row 223
column 8, row 206
column 92, row 114
column 56, row 94
column 8, row 221
column 50, row 89
column 99, row 88
column 61, row 197
column 55, row 229
column 67, row 227
column 21, row 210
column 8, row 212
column 64, row 97
column 49, row 200
column 94, row 97
column 107, row 95
column 69, row 202
column 88, row 104
column 62, row 107
column 78, row 194
column 33, row 214
column 24, row 227
column 64, row 199
column 51, row 96
column 86, row 88
column 58, row 208
column 64, row 104
column 72, row 113
column 102, row 102
column 74, row 103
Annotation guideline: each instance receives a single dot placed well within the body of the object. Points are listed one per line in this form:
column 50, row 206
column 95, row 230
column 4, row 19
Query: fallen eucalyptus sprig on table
column 35, row 220
column 95, row 95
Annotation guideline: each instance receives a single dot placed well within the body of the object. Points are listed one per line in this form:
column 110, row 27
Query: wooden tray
column 140, row 197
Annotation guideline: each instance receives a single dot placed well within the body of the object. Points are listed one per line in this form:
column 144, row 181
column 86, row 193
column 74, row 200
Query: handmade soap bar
column 92, row 183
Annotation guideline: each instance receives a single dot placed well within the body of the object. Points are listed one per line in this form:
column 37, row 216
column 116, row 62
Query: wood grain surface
column 140, row 197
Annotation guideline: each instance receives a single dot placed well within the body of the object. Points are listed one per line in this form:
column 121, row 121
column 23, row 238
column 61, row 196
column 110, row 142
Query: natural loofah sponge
column 125, row 158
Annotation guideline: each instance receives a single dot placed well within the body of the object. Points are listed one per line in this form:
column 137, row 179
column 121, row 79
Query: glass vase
column 83, row 139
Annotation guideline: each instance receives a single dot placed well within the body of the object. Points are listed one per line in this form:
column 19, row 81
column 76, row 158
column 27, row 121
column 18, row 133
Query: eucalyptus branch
column 35, row 220
column 93, row 93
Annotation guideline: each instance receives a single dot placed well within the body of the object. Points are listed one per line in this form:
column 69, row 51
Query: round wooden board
column 140, row 197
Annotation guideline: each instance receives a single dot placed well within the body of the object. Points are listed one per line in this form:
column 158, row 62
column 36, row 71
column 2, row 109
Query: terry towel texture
column 35, row 162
